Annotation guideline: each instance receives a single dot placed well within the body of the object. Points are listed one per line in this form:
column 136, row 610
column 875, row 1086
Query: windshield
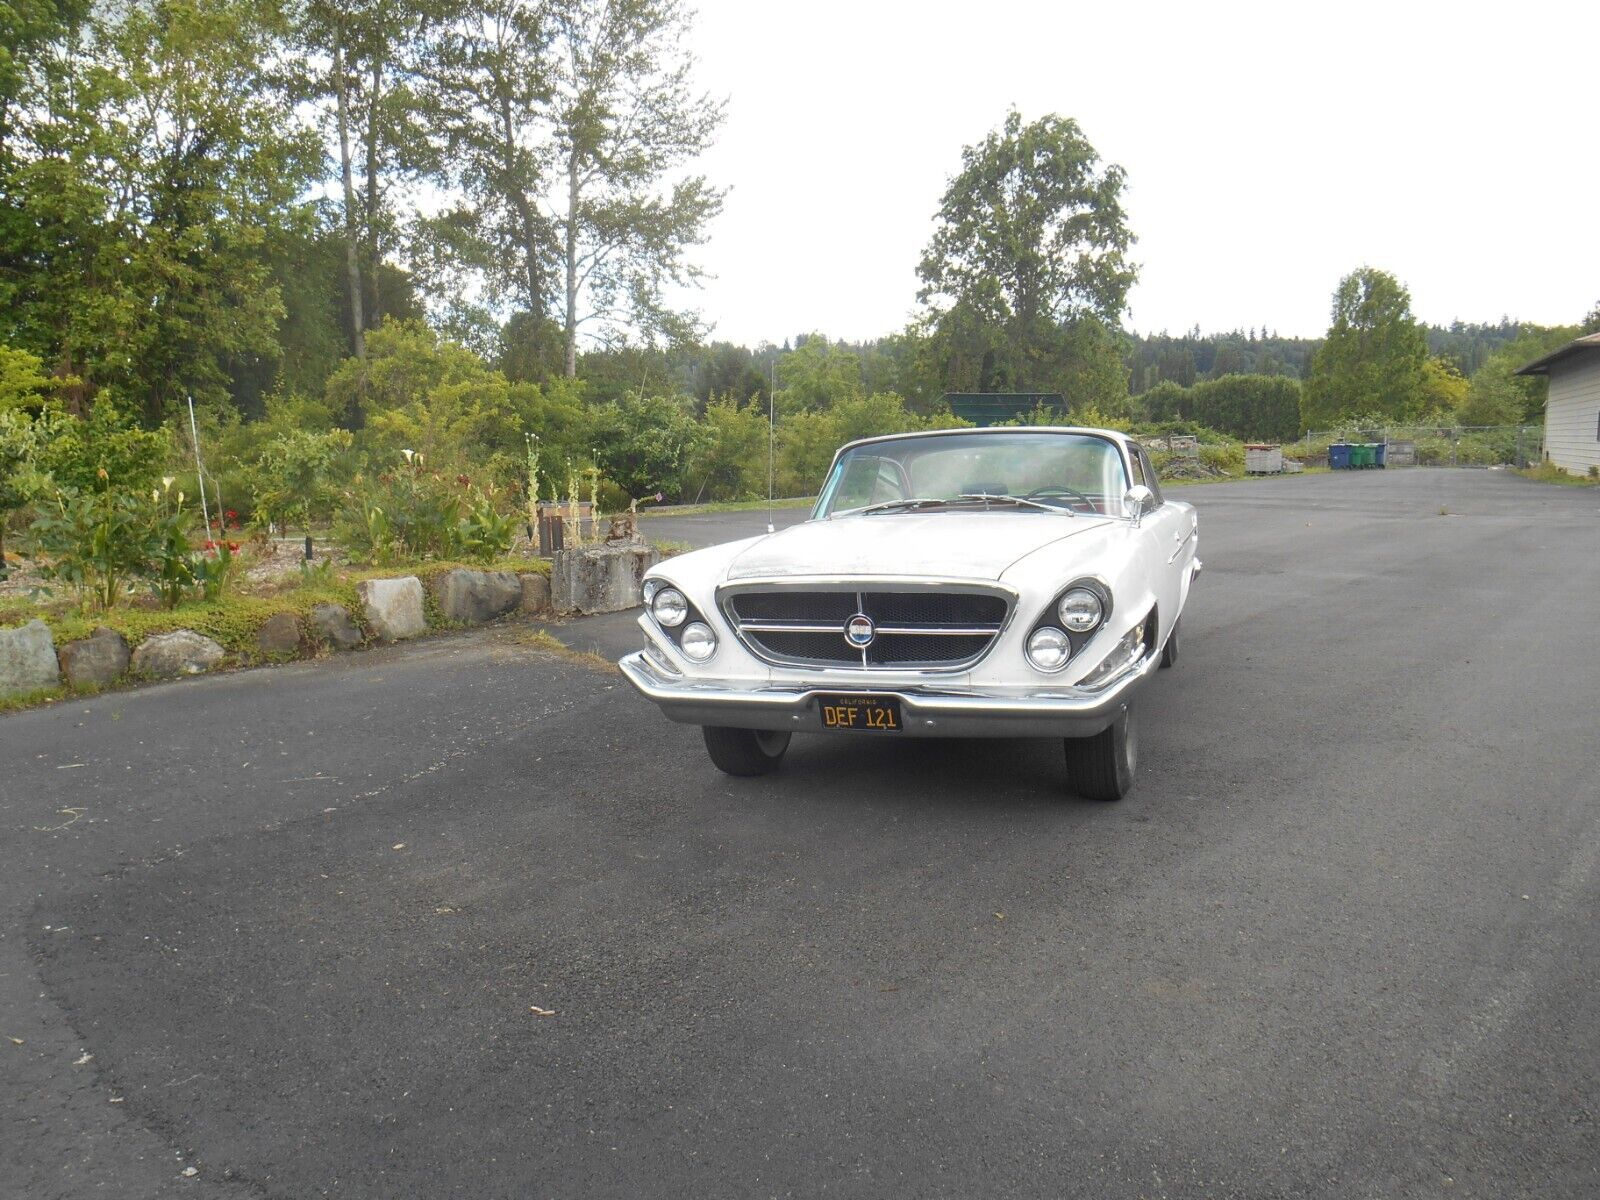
column 1026, row 472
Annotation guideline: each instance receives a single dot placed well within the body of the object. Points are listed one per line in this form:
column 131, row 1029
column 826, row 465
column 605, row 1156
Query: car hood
column 947, row 544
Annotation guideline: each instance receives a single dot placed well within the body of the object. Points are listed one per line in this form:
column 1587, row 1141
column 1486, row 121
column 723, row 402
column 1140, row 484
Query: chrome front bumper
column 927, row 711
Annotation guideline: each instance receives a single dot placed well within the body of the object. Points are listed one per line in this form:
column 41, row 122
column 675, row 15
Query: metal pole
column 772, row 417
column 199, row 467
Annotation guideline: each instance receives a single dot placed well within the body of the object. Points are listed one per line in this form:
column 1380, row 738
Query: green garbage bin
column 1361, row 455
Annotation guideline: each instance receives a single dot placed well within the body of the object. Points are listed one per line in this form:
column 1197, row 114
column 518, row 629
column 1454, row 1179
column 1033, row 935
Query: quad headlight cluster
column 677, row 618
column 1079, row 611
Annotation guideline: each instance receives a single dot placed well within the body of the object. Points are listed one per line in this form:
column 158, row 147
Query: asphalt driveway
column 468, row 919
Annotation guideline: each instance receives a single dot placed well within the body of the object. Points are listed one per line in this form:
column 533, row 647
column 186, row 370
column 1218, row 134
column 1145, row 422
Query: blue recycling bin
column 1339, row 456
column 1381, row 449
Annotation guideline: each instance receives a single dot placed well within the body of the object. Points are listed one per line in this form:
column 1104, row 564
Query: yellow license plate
column 866, row 714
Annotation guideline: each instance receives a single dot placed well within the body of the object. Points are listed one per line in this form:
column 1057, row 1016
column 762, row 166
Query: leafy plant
column 97, row 541
column 215, row 571
column 174, row 566
column 485, row 533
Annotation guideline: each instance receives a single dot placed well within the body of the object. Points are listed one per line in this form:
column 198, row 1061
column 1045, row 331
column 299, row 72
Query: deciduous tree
column 1373, row 358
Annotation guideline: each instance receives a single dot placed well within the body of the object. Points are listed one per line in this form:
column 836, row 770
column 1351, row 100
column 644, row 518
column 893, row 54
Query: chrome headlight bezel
column 1042, row 640
column 1081, row 610
column 694, row 635
column 674, row 601
column 1052, row 618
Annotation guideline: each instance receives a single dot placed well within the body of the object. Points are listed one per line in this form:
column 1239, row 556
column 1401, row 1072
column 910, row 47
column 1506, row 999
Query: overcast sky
column 1270, row 148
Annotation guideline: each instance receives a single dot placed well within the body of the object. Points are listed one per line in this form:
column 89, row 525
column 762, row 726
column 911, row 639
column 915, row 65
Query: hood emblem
column 859, row 631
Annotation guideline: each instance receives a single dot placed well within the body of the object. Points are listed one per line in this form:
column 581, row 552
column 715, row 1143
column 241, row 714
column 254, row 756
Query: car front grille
column 922, row 628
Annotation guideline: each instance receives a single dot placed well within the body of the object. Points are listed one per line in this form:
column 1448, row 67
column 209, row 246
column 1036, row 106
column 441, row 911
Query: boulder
column 600, row 579
column 96, row 661
column 181, row 652
column 279, row 635
column 332, row 622
column 535, row 593
column 393, row 607
column 473, row 597
column 28, row 658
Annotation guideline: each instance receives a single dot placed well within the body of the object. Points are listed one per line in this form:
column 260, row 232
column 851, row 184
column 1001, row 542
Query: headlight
column 669, row 607
column 651, row 587
column 1080, row 610
column 1049, row 649
column 697, row 641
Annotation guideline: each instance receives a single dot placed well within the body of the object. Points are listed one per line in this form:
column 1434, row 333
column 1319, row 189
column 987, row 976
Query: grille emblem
column 859, row 631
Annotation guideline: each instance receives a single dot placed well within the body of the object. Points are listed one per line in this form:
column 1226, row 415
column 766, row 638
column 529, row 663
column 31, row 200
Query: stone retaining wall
column 388, row 610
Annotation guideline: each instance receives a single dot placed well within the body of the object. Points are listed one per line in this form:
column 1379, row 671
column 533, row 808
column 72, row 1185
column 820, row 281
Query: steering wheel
column 1062, row 489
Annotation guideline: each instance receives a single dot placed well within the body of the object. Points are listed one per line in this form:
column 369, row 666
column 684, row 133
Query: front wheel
column 1101, row 767
column 745, row 751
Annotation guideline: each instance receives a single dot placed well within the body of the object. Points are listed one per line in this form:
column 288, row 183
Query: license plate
column 872, row 714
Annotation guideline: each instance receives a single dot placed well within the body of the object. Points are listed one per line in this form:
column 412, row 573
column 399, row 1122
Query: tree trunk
column 352, row 259
column 374, row 310
column 517, row 196
column 571, row 249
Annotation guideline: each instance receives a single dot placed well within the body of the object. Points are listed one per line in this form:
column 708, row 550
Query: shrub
column 98, row 541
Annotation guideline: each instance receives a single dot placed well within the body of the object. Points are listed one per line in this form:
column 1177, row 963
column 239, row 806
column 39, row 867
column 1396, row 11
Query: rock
column 332, row 622
column 473, row 597
column 28, row 658
column 535, row 593
column 96, row 661
column 279, row 635
column 182, row 652
column 600, row 579
column 393, row 607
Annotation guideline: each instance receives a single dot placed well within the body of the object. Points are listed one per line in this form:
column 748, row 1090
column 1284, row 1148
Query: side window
column 1136, row 464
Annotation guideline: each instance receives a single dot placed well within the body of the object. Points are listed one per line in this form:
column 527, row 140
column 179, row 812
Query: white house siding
column 1572, row 413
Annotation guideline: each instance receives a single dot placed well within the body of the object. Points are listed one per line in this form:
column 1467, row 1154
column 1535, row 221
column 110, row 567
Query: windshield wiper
column 892, row 505
column 989, row 497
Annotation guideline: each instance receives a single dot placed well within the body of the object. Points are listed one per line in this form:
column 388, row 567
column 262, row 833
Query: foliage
column 1444, row 387
column 732, row 460
column 1374, row 356
column 647, row 444
column 171, row 568
column 216, row 570
column 297, row 472
column 108, row 444
column 1249, row 407
column 97, row 541
column 1027, row 269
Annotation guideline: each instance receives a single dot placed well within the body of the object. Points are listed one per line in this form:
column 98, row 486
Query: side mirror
column 1139, row 500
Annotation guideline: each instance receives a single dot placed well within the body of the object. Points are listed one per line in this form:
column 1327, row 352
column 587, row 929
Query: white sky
column 1270, row 149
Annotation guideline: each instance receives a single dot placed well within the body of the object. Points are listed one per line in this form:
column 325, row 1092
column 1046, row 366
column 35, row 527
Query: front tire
column 1169, row 652
column 1102, row 767
column 745, row 751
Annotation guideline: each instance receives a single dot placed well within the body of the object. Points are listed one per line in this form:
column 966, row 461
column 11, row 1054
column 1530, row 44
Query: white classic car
column 1009, row 582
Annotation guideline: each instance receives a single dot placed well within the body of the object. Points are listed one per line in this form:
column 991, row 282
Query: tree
column 151, row 178
column 492, row 80
column 625, row 116
column 1031, row 241
column 1373, row 358
column 1443, row 387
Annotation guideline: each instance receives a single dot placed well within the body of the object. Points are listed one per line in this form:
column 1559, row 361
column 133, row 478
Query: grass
column 1548, row 473
column 543, row 639
column 725, row 506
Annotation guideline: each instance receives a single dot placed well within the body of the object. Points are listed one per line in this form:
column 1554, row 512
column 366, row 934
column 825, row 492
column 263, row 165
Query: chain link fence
column 1433, row 445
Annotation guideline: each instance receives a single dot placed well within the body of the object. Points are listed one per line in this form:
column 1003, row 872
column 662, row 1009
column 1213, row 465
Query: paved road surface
column 294, row 928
